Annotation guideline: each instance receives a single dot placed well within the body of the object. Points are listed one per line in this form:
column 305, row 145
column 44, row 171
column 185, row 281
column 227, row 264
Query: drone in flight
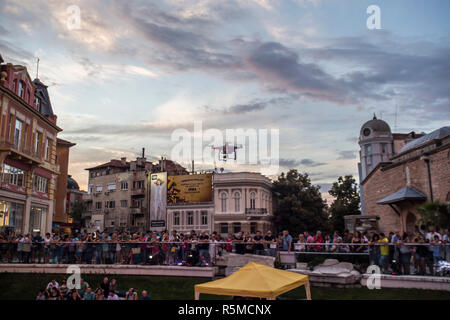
column 227, row 150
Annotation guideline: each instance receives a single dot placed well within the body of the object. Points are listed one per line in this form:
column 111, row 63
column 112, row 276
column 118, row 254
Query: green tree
column 434, row 213
column 300, row 204
column 76, row 210
column 346, row 202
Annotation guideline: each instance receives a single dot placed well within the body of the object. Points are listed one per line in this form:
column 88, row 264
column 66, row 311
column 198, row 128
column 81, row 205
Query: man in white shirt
column 432, row 233
column 52, row 284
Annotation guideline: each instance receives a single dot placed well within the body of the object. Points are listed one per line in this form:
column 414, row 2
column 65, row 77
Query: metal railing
column 400, row 258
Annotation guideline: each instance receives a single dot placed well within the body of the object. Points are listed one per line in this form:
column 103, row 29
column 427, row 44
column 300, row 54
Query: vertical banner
column 158, row 199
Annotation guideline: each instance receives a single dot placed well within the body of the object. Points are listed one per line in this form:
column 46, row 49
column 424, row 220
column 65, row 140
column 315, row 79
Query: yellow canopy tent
column 255, row 280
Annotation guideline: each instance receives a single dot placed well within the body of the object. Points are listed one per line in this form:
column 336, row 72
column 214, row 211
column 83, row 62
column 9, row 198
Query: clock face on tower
column 366, row 132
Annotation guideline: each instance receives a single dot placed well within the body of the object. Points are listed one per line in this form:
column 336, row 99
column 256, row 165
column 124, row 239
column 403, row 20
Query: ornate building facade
column 28, row 135
column 242, row 202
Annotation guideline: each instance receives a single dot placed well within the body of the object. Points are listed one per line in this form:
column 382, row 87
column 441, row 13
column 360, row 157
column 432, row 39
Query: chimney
column 143, row 152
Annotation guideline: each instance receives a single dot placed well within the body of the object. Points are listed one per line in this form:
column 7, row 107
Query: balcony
column 137, row 211
column 20, row 152
column 138, row 192
column 255, row 212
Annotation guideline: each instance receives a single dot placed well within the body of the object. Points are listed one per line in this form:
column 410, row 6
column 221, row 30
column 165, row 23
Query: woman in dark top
column 239, row 245
column 105, row 287
column 374, row 250
column 74, row 296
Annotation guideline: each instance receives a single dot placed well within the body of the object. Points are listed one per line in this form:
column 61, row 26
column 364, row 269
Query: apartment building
column 118, row 195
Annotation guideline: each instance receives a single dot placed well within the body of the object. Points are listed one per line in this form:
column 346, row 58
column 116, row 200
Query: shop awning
column 255, row 280
column 405, row 193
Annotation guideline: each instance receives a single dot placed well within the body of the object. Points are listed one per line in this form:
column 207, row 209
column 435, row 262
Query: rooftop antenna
column 37, row 68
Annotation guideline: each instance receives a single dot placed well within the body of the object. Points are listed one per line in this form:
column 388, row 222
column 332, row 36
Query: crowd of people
column 393, row 252
column 168, row 248
column 107, row 290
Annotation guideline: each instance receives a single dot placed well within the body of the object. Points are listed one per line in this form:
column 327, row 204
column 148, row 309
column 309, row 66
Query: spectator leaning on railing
column 418, row 253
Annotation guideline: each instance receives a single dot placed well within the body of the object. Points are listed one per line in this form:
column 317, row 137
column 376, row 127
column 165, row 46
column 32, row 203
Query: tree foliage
column 300, row 204
column 76, row 210
column 435, row 214
column 347, row 201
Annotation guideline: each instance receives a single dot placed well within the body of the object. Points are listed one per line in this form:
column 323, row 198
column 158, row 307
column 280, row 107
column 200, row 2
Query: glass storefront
column 38, row 219
column 11, row 216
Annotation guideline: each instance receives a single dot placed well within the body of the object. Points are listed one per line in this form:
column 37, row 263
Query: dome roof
column 72, row 184
column 376, row 125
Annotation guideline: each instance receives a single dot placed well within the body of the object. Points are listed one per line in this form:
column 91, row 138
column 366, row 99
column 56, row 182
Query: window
column 111, row 187
column 252, row 200
column 224, row 198
column 40, row 184
column 253, row 227
column 11, row 215
column 110, row 204
column 13, row 175
column 123, row 203
column 236, row 227
column 25, row 135
column 38, row 103
column 190, row 218
column 99, row 188
column 137, row 203
column 17, row 134
column 48, row 145
column 176, row 218
column 204, row 216
column 138, row 184
column 21, row 91
column 90, row 188
column 383, row 147
column 224, row 227
column 98, row 205
column 37, row 143
column 368, row 149
column 124, row 185
column 237, row 201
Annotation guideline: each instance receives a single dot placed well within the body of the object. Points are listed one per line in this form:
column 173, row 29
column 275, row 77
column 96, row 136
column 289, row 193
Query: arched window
column 252, row 200
column 265, row 201
column 237, row 201
column 224, row 198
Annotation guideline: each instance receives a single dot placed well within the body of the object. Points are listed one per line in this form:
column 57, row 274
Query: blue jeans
column 384, row 261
